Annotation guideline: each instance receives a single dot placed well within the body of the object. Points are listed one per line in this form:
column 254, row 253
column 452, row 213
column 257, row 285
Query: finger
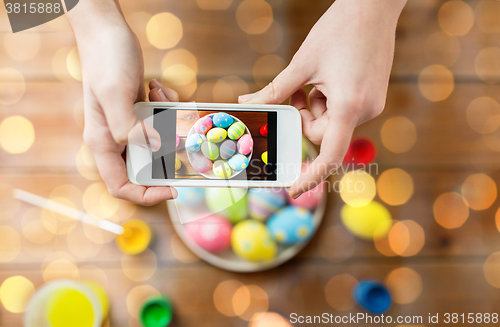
column 170, row 94
column 145, row 136
column 282, row 87
column 335, row 142
column 299, row 99
column 317, row 102
column 114, row 174
column 157, row 95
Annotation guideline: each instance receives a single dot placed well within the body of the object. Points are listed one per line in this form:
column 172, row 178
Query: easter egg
column 212, row 233
column 263, row 202
column 236, row 130
column 264, row 157
column 216, row 135
column 309, row 199
column 221, row 169
column 223, row 120
column 210, row 150
column 373, row 296
column 230, row 203
column 238, row 162
column 189, row 196
column 202, row 164
column 245, row 144
column 177, row 140
column 291, row 225
column 372, row 221
column 178, row 164
column 227, row 149
column 251, row 240
column 361, row 151
column 203, row 125
column 193, row 143
column 263, row 130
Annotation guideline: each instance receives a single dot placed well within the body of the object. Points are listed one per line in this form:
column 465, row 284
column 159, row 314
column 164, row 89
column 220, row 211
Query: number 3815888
column 33, row 8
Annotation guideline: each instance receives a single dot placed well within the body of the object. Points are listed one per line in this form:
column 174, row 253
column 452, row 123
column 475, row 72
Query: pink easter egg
column 212, row 233
column 203, row 125
column 309, row 199
column 177, row 140
column 245, row 144
column 202, row 164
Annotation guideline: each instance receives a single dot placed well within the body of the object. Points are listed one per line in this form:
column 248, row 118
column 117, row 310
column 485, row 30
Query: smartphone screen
column 208, row 144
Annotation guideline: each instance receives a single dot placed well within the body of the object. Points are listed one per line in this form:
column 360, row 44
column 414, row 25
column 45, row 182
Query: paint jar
column 135, row 238
column 64, row 303
column 156, row 311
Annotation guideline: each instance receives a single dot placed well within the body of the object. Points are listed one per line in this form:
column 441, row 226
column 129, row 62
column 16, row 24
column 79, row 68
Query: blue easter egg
column 223, row 120
column 291, row 225
column 373, row 296
column 193, row 143
column 189, row 195
column 263, row 202
column 227, row 149
column 238, row 162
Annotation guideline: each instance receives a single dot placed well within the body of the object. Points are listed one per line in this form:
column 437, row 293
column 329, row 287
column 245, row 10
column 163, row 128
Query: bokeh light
column 480, row 191
column 227, row 89
column 79, row 244
column 12, row 86
column 139, row 268
column 16, row 134
column 269, row 41
column 164, row 30
column 33, row 228
column 398, row 134
column 451, row 210
column 96, row 196
column 180, row 57
column 266, row 68
column 436, row 83
column 10, row 244
column 442, row 48
column 60, row 64
column 57, row 223
column 371, row 221
column 406, row 238
column 223, row 296
column 487, row 13
column 214, row 4
column 22, row 46
column 8, row 205
column 456, row 17
column 15, row 293
column 269, row 319
column 405, row 285
column 85, row 164
column 382, row 244
column 487, row 65
column 254, row 16
column 95, row 274
column 181, row 252
column 336, row 243
column 483, row 115
column 357, row 188
column 178, row 75
column 395, row 186
column 338, row 292
column 491, row 269
column 137, row 296
column 74, row 65
column 60, row 269
column 249, row 301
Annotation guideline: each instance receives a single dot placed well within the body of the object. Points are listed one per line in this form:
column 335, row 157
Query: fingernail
column 155, row 82
column 162, row 95
column 155, row 144
column 246, row 97
column 295, row 195
column 174, row 193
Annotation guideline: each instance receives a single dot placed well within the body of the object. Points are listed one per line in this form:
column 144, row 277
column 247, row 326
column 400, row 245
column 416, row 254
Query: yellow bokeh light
column 442, row 48
column 357, row 188
column 223, row 296
column 8, row 205
column 483, row 115
column 15, row 293
column 269, row 319
column 85, row 164
column 405, row 285
column 96, row 195
column 22, row 46
column 491, row 269
column 371, row 221
column 436, row 83
column 33, row 228
column 480, row 191
column 60, row 64
column 451, row 210
column 178, row 75
column 456, row 17
column 254, row 16
column 336, row 244
column 136, row 297
column 228, row 88
column 60, row 269
column 95, row 274
column 12, row 86
column 214, row 4
column 382, row 244
column 338, row 292
column 406, row 238
column 139, row 268
column 269, row 41
column 79, row 244
column 487, row 65
column 10, row 244
column 74, row 65
column 266, row 68
column 497, row 219
column 16, row 134
column 57, row 223
column 398, row 134
column 180, row 57
column 164, row 30
column 487, row 13
column 395, row 186
column 181, row 252
column 249, row 301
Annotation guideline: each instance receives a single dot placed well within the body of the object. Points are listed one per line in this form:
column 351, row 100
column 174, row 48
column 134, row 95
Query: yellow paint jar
column 136, row 237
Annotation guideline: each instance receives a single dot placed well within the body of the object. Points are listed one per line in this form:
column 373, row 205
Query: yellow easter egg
column 251, row 240
column 221, row 169
column 264, row 157
column 136, row 237
column 178, row 164
column 216, row 135
column 370, row 221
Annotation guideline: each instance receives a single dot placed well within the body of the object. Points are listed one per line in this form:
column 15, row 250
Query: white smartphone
column 218, row 145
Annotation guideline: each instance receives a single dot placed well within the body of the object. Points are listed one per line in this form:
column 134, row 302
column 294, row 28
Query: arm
column 347, row 56
column 113, row 74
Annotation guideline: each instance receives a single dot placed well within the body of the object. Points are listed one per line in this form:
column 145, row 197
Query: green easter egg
column 230, row 203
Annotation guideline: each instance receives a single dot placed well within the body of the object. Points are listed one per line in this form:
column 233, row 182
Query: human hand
column 112, row 69
column 347, row 56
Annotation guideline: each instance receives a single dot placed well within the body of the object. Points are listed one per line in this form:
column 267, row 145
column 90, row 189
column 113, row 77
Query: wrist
column 91, row 16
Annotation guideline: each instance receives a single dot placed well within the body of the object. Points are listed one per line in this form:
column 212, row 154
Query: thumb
column 282, row 87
